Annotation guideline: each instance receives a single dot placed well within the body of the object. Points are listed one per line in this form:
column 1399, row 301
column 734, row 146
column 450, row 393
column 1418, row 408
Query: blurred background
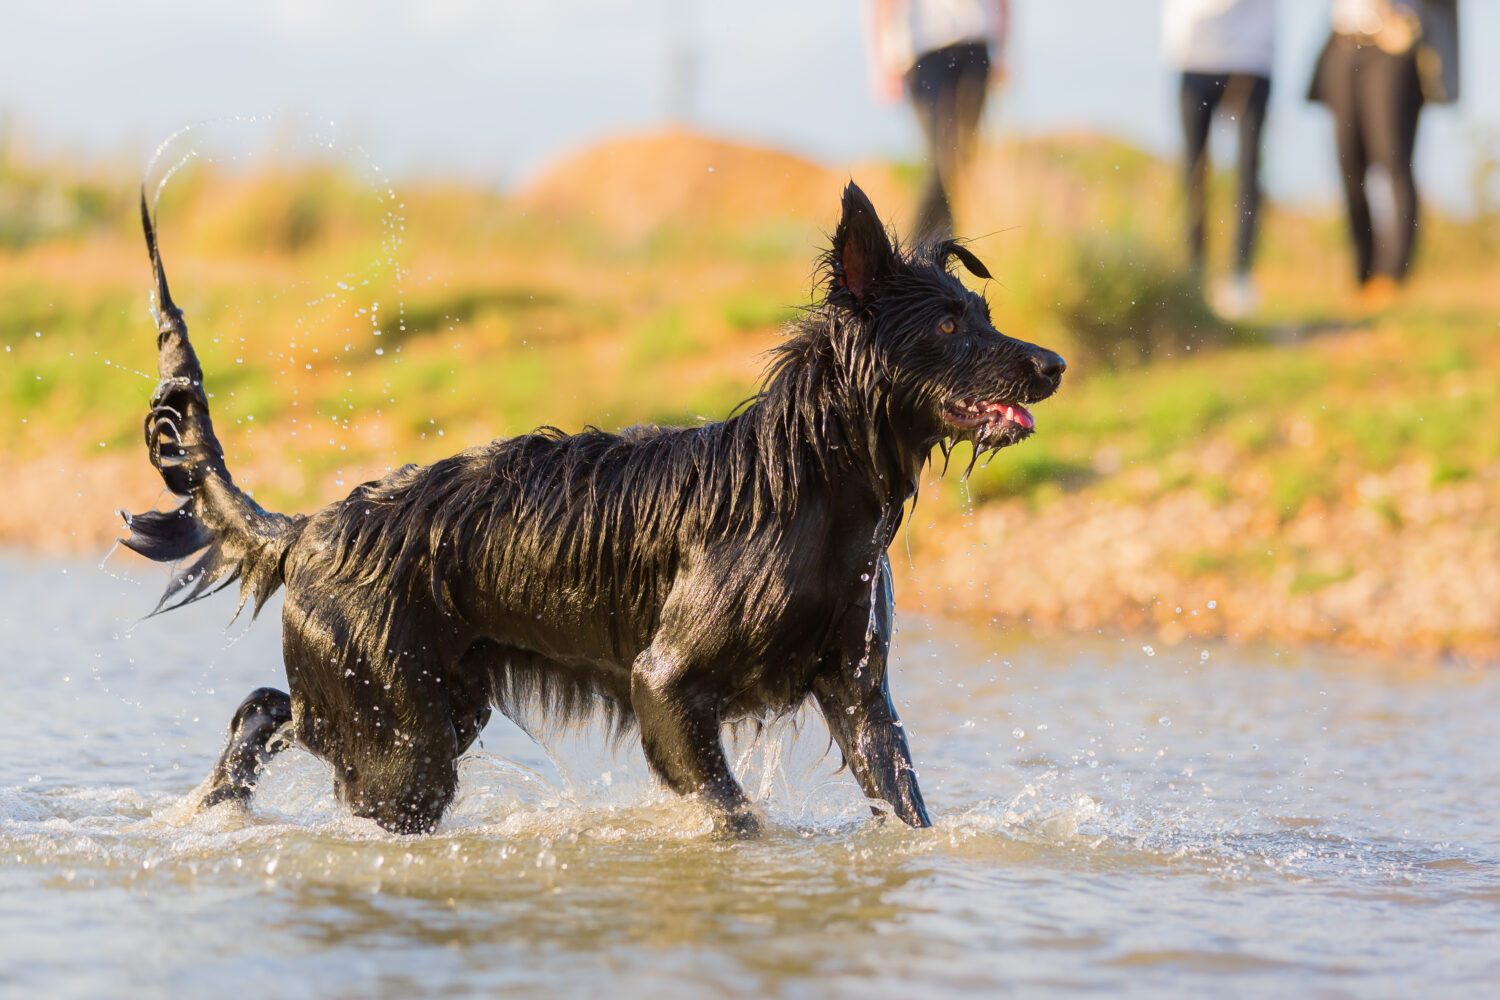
column 400, row 229
column 494, row 91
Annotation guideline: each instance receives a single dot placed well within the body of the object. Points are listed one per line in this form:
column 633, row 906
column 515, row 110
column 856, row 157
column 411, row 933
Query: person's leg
column 948, row 107
column 1342, row 95
column 971, row 65
column 924, row 84
column 1254, row 93
column 1198, row 96
column 1392, row 95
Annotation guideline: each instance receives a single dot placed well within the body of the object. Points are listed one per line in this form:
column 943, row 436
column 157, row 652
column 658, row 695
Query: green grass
column 751, row 312
column 667, row 337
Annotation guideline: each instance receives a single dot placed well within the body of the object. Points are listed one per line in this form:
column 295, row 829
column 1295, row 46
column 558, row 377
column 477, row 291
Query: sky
column 495, row 89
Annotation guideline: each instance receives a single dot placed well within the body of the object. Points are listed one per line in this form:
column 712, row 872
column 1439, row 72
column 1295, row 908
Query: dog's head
column 948, row 374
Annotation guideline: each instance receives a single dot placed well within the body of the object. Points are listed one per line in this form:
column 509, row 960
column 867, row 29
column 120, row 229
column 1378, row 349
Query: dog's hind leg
column 680, row 735
column 852, row 689
column 254, row 736
column 373, row 700
column 399, row 766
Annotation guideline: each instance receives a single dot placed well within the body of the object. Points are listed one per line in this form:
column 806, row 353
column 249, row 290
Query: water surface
column 1111, row 818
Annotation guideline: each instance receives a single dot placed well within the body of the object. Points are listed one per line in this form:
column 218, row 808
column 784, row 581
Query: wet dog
column 670, row 580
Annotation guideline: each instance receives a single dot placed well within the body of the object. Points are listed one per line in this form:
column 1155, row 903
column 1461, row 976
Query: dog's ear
column 953, row 248
column 862, row 252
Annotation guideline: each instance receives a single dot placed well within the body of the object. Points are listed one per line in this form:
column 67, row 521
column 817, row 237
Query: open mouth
column 989, row 423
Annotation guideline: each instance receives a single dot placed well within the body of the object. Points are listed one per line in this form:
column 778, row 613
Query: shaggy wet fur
column 671, row 580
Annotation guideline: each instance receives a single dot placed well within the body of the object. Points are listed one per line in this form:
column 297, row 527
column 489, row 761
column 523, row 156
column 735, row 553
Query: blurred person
column 1224, row 50
column 947, row 53
column 1383, row 61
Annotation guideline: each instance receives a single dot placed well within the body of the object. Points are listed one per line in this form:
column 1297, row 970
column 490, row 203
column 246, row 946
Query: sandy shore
column 1411, row 569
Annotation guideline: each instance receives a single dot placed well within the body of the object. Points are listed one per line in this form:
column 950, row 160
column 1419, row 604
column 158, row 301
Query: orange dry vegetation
column 637, row 185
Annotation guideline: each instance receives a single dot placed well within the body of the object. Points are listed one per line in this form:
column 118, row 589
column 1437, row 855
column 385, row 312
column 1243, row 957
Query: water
column 1107, row 821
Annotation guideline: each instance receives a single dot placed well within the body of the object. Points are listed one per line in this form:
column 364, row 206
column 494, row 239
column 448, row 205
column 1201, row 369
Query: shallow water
column 1109, row 818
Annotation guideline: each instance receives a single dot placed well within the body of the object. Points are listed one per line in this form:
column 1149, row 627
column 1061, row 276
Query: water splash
column 336, row 302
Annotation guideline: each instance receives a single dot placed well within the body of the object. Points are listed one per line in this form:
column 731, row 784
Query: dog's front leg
column 852, row 691
column 864, row 725
column 680, row 735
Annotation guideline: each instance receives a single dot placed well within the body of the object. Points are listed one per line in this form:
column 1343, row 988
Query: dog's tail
column 218, row 534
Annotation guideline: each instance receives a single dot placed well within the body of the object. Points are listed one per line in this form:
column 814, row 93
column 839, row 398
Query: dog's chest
column 761, row 624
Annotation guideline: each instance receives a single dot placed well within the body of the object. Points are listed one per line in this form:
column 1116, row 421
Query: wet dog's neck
column 828, row 411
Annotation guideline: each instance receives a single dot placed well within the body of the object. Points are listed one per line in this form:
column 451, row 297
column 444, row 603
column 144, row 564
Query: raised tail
column 218, row 534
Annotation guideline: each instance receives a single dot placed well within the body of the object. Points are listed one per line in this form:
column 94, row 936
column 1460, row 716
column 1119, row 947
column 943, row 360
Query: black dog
column 674, row 579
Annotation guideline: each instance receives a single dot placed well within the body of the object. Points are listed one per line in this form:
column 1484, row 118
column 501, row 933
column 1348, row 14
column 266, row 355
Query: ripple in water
column 1305, row 823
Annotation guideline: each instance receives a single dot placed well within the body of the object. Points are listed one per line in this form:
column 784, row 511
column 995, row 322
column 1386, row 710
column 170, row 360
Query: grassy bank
column 1316, row 473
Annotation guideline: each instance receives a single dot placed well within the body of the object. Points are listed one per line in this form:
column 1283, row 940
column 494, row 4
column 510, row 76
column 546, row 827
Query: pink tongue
column 1021, row 416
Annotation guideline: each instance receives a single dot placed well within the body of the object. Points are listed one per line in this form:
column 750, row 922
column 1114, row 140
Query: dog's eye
column 947, row 326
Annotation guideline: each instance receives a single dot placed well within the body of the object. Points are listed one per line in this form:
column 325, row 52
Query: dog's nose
column 1049, row 363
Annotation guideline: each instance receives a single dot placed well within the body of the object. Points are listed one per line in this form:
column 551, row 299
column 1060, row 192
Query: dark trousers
column 1375, row 98
column 947, row 88
column 1243, row 95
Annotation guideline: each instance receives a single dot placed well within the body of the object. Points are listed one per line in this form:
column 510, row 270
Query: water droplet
column 1148, row 650
column 1018, row 733
column 1164, row 721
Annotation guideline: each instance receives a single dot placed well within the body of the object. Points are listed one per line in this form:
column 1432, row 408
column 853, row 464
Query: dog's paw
column 221, row 793
column 742, row 824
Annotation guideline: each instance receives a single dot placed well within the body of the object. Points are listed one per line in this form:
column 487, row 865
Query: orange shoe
column 1378, row 293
